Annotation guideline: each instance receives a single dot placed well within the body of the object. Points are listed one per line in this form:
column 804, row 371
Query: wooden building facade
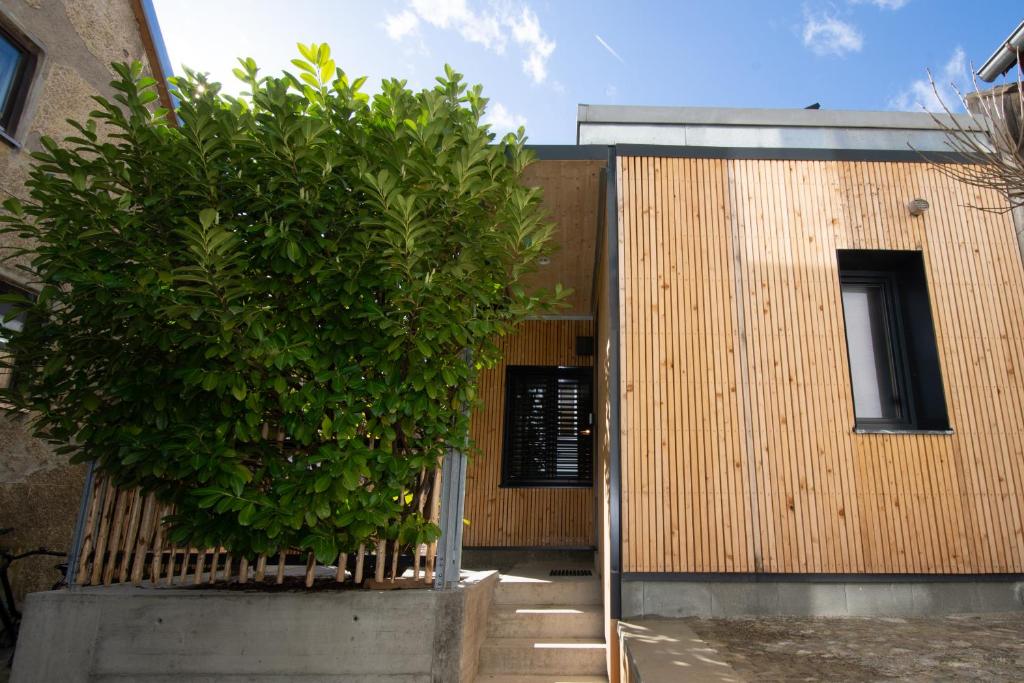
column 798, row 372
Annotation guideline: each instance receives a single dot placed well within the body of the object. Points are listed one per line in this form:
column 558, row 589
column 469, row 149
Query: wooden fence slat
column 110, row 493
column 146, row 532
column 243, row 569
column 339, row 575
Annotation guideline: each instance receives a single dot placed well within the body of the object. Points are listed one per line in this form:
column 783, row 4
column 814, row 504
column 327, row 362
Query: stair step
column 542, row 678
column 518, row 590
column 558, row 656
column 546, row 621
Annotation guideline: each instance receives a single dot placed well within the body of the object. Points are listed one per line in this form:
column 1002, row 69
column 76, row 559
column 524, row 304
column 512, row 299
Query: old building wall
column 78, row 39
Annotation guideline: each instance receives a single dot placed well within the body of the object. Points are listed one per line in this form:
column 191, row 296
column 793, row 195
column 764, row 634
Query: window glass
column 895, row 374
column 12, row 58
column 15, row 324
column 870, row 347
column 548, row 440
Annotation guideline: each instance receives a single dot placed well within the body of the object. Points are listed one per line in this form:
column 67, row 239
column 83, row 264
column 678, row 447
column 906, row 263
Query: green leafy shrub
column 263, row 315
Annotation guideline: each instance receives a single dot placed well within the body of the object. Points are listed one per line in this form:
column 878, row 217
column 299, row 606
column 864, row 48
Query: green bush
column 304, row 261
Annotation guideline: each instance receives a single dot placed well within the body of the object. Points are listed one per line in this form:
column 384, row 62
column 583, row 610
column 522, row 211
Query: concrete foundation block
column 824, row 598
column 874, row 599
column 744, row 599
column 632, row 598
column 671, row 599
column 123, row 633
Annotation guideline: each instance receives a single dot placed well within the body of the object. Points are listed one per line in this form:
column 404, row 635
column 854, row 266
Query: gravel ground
column 987, row 647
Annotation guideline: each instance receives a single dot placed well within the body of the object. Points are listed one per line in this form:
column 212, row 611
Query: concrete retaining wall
column 670, row 598
column 122, row 633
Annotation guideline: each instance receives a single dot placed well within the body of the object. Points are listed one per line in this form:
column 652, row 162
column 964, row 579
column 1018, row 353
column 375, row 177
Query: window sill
column 11, row 142
column 553, row 485
column 891, row 430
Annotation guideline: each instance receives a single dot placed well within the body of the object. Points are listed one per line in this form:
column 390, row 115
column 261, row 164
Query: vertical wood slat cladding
column 572, row 194
column 737, row 414
column 517, row 517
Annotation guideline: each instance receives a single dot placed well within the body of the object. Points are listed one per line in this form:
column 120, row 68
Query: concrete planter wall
column 123, row 633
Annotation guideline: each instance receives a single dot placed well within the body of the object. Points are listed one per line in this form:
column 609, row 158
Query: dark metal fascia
column 615, row 389
column 794, row 154
column 569, row 152
column 725, row 577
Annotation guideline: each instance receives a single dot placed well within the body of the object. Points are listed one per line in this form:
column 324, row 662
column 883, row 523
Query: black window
column 17, row 62
column 548, row 427
column 7, row 326
column 890, row 340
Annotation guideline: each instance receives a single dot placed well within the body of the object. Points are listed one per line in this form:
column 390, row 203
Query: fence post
column 453, row 499
column 79, row 534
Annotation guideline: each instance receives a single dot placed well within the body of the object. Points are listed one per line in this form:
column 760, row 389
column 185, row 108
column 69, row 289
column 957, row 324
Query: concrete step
column 552, row 656
column 545, row 678
column 546, row 621
column 524, row 590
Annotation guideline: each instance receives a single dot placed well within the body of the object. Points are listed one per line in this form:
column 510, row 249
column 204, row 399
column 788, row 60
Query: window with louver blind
column 548, row 427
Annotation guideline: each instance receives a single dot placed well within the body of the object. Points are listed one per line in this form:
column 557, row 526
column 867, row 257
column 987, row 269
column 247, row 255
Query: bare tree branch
column 992, row 142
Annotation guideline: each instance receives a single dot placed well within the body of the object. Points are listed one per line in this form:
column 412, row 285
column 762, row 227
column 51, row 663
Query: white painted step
column 523, row 590
column 514, row 678
column 546, row 621
column 559, row 656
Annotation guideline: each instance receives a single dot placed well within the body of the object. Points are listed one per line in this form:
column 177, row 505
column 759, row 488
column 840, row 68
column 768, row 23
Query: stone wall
column 39, row 492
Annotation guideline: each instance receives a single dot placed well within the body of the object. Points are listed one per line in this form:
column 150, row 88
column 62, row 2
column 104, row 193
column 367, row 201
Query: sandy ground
column 988, row 647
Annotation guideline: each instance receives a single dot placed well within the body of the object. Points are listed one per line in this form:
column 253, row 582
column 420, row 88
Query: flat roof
column 728, row 116
column 776, row 129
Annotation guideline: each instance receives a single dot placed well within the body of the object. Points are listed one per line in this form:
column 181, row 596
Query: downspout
column 1003, row 59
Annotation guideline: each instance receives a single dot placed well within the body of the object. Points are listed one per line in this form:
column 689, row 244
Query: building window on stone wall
column 18, row 58
column 8, row 295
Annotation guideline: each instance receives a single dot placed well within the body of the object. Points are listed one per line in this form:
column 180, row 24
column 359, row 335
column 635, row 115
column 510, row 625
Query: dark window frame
column 9, row 288
column 895, row 336
column 13, row 110
column 913, row 338
column 585, row 445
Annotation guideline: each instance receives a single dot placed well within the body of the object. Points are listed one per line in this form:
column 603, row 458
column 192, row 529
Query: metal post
column 75, row 551
column 453, row 500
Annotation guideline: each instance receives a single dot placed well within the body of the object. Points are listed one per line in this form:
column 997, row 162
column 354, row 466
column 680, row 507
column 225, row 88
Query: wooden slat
column 738, row 450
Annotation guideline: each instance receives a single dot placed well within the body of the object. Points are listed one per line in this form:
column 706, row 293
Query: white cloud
column 490, row 27
column 527, row 32
column 502, row 120
column 920, row 95
column 611, row 92
column 610, row 49
column 477, row 27
column 883, row 4
column 827, row 35
column 400, row 25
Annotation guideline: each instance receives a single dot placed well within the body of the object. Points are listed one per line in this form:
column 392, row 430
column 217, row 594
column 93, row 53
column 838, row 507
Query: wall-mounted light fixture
column 544, row 261
column 917, row 206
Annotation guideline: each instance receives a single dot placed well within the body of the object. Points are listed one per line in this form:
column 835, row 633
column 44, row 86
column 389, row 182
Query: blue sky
column 538, row 59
